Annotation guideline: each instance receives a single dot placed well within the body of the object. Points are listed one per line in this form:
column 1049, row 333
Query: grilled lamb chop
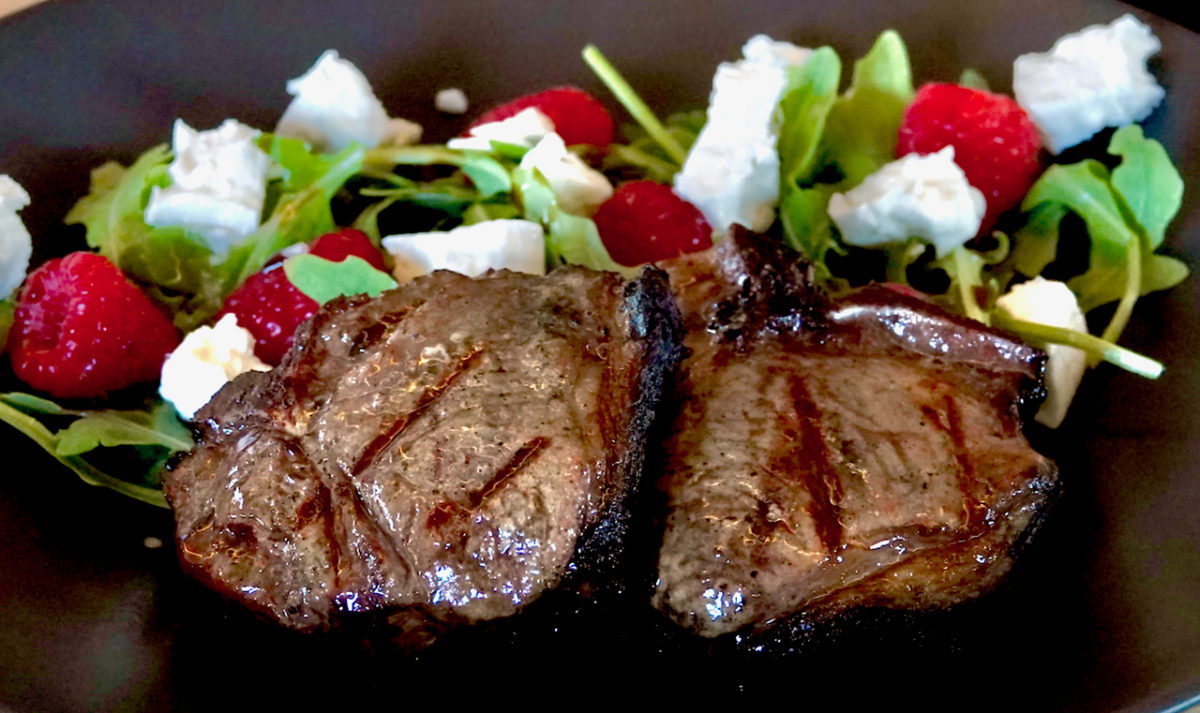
column 435, row 456
column 866, row 450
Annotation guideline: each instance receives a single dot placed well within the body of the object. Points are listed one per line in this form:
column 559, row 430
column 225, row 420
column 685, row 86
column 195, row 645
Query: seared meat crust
column 434, row 456
column 864, row 450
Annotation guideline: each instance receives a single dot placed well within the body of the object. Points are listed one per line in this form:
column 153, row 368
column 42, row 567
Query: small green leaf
column 812, row 91
column 806, row 226
column 863, row 124
column 1146, row 180
column 35, row 405
column 323, row 280
column 490, row 178
column 1035, row 244
column 109, row 428
column 973, row 79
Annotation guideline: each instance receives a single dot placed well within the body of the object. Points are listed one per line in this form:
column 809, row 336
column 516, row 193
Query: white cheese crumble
column 451, row 101
column 16, row 246
column 1051, row 303
column 525, row 128
column 471, row 250
column 732, row 171
column 207, row 359
column 218, row 184
column 334, row 106
column 1089, row 80
column 578, row 188
column 917, row 196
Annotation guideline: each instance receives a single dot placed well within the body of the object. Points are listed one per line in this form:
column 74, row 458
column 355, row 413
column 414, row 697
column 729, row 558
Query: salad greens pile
column 830, row 139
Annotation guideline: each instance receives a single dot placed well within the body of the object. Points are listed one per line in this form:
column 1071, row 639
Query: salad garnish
column 544, row 180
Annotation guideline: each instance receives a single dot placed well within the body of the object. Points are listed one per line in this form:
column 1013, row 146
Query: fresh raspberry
column 995, row 142
column 82, row 330
column 579, row 118
column 340, row 245
column 271, row 307
column 645, row 222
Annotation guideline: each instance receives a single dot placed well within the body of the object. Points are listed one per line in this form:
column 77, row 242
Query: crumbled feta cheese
column 218, row 184
column 207, row 359
column 471, row 250
column 1051, row 303
column 578, row 188
column 334, row 107
column 1090, row 79
column 916, row 196
column 452, row 101
column 15, row 244
column 525, row 128
column 732, row 171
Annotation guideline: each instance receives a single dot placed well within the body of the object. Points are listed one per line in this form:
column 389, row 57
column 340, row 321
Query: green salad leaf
column 124, row 450
column 323, row 280
column 863, row 124
column 570, row 239
column 302, row 211
column 176, row 264
column 1126, row 213
column 830, row 142
column 1146, row 181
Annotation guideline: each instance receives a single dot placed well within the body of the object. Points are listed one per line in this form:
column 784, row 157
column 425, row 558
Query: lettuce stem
column 632, row 102
column 1133, row 288
column 1095, row 347
column 966, row 288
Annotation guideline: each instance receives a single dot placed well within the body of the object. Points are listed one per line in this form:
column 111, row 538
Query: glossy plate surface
column 1101, row 613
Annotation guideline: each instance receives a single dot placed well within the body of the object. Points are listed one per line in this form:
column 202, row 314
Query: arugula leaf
column 829, row 142
column 303, row 211
column 489, row 176
column 1087, row 189
column 323, row 280
column 806, row 225
column 178, row 265
column 171, row 260
column 144, row 439
column 1146, row 181
column 570, row 239
column 1035, row 244
column 157, row 426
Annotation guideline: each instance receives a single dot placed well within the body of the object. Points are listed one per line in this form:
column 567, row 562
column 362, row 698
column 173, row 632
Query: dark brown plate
column 1102, row 612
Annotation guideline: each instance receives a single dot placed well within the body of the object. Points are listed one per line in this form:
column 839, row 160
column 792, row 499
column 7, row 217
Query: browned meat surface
column 434, row 456
column 827, row 453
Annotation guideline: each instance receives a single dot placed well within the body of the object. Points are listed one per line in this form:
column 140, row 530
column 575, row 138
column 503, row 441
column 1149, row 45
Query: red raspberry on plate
column 995, row 142
column 645, row 221
column 82, row 330
column 269, row 305
column 579, row 117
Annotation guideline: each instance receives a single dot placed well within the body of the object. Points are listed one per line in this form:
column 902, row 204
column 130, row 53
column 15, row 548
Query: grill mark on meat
column 951, row 425
column 873, row 398
column 449, row 510
column 813, row 460
column 431, row 394
column 547, row 428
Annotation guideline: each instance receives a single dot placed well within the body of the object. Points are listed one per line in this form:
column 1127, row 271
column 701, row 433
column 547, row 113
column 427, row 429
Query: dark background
column 1101, row 613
